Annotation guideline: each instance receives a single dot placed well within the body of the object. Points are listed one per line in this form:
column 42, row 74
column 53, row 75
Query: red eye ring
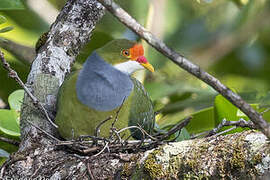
column 125, row 53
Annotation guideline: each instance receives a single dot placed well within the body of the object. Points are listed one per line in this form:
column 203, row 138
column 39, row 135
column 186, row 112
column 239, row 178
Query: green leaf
column 8, row 122
column 2, row 160
column 11, row 5
column 6, row 29
column 4, row 153
column 15, row 99
column 265, row 101
column 224, row 109
column 2, row 19
column 201, row 121
column 184, row 135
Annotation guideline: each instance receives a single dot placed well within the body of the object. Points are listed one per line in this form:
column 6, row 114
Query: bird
column 104, row 87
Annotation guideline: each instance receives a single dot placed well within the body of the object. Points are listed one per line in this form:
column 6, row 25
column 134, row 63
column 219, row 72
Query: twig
column 176, row 128
column 89, row 150
column 13, row 74
column 105, row 147
column 131, row 127
column 135, row 127
column 241, row 123
column 92, row 177
column 117, row 145
column 3, row 168
column 10, row 141
column 225, row 131
column 49, row 135
column 181, row 61
column 147, row 134
column 265, row 111
column 199, row 134
column 117, row 135
column 97, row 131
column 117, row 112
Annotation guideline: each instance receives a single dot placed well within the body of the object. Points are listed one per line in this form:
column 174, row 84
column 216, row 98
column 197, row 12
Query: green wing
column 141, row 110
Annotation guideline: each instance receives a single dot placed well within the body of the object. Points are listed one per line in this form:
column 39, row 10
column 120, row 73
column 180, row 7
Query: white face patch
column 129, row 67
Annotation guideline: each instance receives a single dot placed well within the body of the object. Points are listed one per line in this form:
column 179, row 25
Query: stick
column 241, row 123
column 179, row 126
column 10, row 141
column 51, row 136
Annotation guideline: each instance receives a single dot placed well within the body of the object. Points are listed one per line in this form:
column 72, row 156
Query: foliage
column 11, row 4
column 9, row 123
column 5, row 29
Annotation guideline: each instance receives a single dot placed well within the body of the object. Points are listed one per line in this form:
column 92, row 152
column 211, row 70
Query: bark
column 67, row 35
column 236, row 156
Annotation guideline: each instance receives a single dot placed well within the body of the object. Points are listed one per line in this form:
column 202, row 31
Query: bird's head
column 125, row 55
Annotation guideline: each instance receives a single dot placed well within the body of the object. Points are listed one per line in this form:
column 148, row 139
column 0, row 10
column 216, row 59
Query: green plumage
column 75, row 119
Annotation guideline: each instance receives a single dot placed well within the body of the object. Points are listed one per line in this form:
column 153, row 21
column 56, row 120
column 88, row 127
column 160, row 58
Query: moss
column 189, row 166
column 256, row 159
column 238, row 159
column 127, row 170
column 231, row 155
column 152, row 167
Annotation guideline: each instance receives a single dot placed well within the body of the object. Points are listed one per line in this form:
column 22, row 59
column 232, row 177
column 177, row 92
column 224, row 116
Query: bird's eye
column 125, row 53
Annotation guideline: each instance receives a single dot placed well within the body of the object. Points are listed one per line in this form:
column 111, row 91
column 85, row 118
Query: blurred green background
column 228, row 38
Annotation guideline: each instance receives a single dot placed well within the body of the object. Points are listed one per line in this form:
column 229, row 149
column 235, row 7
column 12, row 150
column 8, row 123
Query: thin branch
column 241, row 123
column 90, row 172
column 176, row 128
column 225, row 131
column 114, row 131
column 199, row 135
column 97, row 131
column 105, row 147
column 10, row 141
column 13, row 74
column 46, row 133
column 265, row 111
column 147, row 134
column 181, row 61
column 117, row 112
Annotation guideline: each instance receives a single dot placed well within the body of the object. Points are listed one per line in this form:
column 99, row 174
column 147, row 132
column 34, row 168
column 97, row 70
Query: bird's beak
column 137, row 54
column 143, row 61
column 148, row 66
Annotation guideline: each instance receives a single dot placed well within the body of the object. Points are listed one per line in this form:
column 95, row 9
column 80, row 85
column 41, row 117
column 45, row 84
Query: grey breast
column 101, row 86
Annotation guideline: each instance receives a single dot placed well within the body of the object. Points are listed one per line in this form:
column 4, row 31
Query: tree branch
column 70, row 31
column 216, row 157
column 181, row 61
